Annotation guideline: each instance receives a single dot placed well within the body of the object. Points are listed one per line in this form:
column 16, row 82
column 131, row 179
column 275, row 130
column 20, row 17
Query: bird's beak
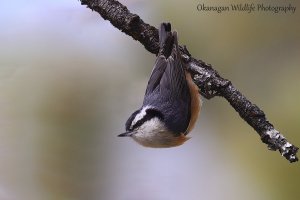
column 126, row 134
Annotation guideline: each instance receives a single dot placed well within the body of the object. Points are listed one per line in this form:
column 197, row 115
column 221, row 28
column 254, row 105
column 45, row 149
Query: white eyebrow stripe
column 140, row 116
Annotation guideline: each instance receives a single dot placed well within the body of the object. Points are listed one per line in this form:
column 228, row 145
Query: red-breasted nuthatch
column 172, row 102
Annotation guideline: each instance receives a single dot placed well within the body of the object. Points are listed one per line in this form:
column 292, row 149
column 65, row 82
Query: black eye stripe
column 129, row 121
column 155, row 113
column 150, row 113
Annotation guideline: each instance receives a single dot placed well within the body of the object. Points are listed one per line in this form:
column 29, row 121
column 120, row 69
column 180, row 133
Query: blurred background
column 69, row 80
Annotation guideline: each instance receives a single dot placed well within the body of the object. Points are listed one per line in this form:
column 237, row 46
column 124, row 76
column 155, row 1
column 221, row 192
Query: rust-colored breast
column 195, row 102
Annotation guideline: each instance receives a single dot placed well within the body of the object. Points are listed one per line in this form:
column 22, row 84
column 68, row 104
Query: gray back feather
column 167, row 87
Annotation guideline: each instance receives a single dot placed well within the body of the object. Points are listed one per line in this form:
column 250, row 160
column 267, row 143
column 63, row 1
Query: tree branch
column 207, row 79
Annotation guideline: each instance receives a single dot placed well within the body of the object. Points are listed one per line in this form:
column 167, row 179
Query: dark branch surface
column 207, row 79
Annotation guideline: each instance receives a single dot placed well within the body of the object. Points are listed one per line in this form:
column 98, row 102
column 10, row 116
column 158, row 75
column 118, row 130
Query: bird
column 172, row 102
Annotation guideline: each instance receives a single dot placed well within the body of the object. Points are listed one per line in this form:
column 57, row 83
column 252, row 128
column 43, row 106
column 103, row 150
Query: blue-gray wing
column 173, row 81
column 156, row 75
column 167, row 87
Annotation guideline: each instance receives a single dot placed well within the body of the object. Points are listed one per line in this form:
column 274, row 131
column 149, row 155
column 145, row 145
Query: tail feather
column 164, row 29
column 166, row 39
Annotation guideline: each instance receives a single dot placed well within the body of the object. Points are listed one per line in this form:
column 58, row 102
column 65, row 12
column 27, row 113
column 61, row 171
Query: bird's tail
column 166, row 39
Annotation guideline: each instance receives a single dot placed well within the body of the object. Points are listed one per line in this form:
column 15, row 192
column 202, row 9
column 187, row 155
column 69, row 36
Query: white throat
column 153, row 133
